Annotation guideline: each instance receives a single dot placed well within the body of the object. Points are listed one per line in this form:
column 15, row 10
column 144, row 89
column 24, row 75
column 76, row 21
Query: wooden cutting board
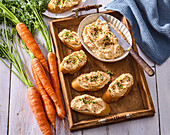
column 136, row 104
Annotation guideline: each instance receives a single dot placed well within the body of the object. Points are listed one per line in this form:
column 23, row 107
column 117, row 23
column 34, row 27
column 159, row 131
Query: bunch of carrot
column 47, row 91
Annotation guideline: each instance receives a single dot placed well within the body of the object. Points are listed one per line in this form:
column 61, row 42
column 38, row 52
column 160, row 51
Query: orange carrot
column 54, row 78
column 47, row 86
column 37, row 108
column 48, row 104
column 31, row 44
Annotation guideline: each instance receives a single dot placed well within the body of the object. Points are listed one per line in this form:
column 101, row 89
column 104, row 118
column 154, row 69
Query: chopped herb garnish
column 111, row 89
column 67, row 33
column 95, row 33
column 96, row 76
column 119, row 85
column 73, row 62
column 102, row 79
column 107, row 38
column 78, row 58
column 66, row 61
column 59, row 3
column 90, row 101
column 109, row 72
column 91, row 80
column 128, row 78
column 106, row 43
column 121, row 81
column 83, row 54
column 86, row 78
column 95, row 29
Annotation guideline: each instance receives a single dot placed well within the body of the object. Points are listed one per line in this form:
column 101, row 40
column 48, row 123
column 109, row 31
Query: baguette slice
column 73, row 62
column 90, row 105
column 70, row 39
column 59, row 6
column 118, row 88
column 92, row 81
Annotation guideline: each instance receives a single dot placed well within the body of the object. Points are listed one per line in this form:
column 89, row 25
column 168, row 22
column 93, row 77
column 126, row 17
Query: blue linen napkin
column 150, row 21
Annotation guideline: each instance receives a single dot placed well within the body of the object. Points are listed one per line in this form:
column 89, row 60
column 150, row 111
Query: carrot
column 37, row 108
column 49, row 108
column 47, row 86
column 31, row 44
column 54, row 78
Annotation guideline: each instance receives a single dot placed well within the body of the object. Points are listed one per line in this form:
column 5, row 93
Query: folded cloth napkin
column 150, row 21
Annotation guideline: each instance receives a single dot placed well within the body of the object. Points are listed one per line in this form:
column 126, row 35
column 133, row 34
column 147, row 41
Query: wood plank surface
column 163, row 82
column 5, row 77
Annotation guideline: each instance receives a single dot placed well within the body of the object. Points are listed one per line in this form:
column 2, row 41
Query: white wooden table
column 16, row 117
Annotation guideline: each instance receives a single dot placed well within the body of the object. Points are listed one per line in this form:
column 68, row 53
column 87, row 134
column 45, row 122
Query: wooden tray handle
column 142, row 63
column 135, row 54
column 86, row 8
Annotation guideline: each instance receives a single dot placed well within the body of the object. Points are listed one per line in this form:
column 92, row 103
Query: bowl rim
column 88, row 49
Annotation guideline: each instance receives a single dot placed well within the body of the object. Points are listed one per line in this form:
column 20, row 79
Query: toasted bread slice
column 92, row 81
column 73, row 62
column 118, row 88
column 59, row 6
column 70, row 39
column 90, row 105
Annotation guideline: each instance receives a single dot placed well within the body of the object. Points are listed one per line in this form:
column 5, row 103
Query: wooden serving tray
column 136, row 104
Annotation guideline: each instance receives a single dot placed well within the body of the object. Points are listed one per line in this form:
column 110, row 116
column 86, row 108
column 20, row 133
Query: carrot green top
column 9, row 50
column 8, row 14
column 41, row 26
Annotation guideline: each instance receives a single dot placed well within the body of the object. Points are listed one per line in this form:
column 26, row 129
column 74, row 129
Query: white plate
column 91, row 18
column 64, row 14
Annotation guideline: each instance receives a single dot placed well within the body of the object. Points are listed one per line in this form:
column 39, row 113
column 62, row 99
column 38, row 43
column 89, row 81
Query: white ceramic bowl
column 91, row 18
